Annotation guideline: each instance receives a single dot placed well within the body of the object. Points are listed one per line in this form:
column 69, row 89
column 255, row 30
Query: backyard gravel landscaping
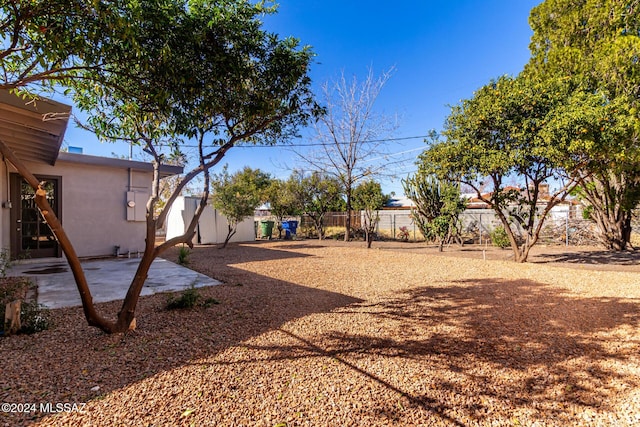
column 310, row 333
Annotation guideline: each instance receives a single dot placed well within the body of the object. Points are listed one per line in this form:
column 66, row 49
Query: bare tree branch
column 351, row 134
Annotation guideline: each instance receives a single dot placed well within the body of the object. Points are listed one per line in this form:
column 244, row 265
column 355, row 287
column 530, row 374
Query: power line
column 386, row 156
column 319, row 144
column 323, row 144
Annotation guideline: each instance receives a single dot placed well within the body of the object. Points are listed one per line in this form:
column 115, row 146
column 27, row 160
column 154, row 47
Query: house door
column 31, row 237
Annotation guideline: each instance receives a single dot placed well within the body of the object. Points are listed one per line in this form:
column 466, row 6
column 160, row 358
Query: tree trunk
column 230, row 234
column 524, row 251
column 347, row 227
column 317, row 223
column 612, row 198
column 614, row 233
column 280, row 228
column 12, row 318
column 347, row 222
column 626, row 232
column 90, row 313
column 517, row 256
column 614, row 237
column 126, row 316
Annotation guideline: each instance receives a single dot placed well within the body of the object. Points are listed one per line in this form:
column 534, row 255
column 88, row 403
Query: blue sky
column 442, row 51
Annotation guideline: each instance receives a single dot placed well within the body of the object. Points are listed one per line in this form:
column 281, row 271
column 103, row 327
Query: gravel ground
column 314, row 333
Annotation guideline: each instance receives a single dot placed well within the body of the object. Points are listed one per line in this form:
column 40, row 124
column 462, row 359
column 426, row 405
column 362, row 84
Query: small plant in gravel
column 189, row 299
column 209, row 302
column 34, row 317
column 183, row 255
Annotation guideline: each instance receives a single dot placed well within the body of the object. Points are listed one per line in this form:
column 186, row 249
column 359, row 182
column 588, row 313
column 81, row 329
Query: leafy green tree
column 237, row 196
column 61, row 42
column 281, row 201
column 595, row 46
column 229, row 83
column 599, row 135
column 315, row 195
column 169, row 184
column 368, row 198
column 45, row 43
column 438, row 206
column 496, row 136
column 186, row 71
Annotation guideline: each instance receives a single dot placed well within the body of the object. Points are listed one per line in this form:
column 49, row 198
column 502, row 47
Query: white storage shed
column 212, row 227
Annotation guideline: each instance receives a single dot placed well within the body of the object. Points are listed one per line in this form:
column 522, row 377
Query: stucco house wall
column 100, row 201
column 94, row 193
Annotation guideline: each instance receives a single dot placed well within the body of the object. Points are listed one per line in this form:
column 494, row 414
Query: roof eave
column 112, row 162
column 33, row 129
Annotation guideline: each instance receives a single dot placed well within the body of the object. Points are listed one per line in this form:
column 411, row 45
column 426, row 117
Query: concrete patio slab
column 108, row 279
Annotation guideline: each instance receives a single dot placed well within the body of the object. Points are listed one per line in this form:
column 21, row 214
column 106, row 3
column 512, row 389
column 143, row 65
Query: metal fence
column 561, row 227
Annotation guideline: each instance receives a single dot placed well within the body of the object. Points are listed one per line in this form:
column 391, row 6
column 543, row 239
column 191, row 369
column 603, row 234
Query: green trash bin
column 266, row 228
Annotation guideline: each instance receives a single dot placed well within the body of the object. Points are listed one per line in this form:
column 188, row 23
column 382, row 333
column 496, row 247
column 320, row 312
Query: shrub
column 188, row 299
column 34, row 317
column 5, row 262
column 209, row 302
column 499, row 237
column 403, row 234
column 12, row 289
column 183, row 255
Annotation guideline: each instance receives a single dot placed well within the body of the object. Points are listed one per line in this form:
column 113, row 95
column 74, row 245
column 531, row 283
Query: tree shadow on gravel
column 244, row 252
column 592, row 258
column 489, row 346
column 554, row 347
column 75, row 363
